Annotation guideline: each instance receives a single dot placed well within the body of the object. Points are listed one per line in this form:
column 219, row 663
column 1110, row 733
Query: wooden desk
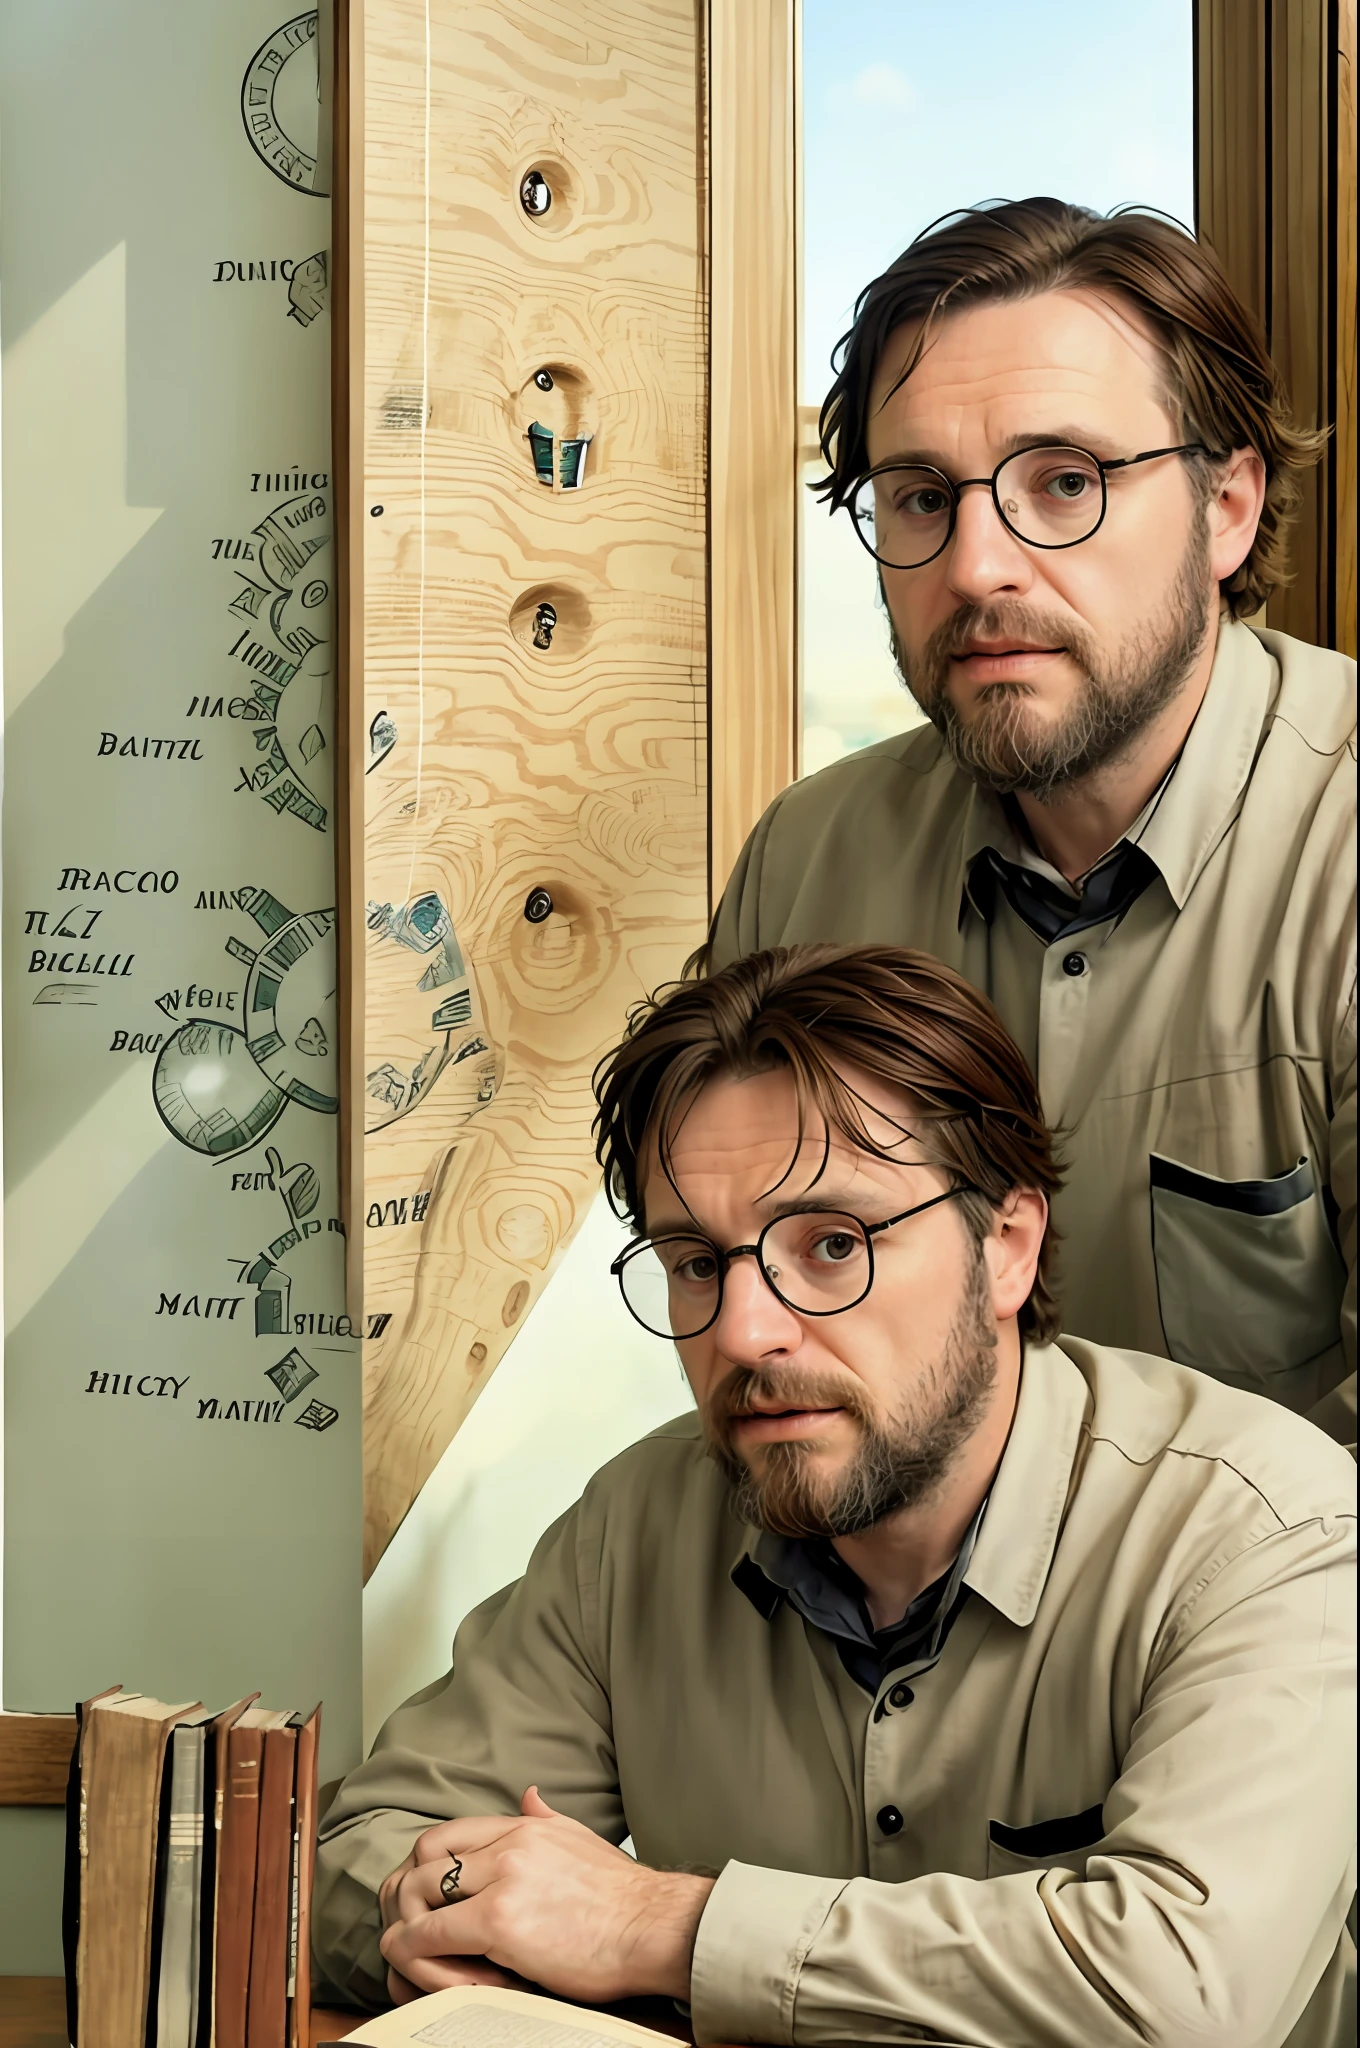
column 33, row 2015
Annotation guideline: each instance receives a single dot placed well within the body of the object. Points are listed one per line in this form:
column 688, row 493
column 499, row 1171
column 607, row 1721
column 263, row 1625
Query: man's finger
column 450, row 1931
column 445, row 1976
column 460, row 1837
column 535, row 1807
column 422, row 1889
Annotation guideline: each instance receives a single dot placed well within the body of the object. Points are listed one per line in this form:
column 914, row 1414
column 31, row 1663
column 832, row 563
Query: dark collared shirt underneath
column 1108, row 892
column 818, row 1584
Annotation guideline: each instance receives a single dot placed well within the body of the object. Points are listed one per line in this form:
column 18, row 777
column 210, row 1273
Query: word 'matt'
column 139, row 748
column 212, row 1308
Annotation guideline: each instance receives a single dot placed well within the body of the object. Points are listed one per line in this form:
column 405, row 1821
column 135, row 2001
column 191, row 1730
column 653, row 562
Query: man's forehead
column 748, row 1129
column 1077, row 346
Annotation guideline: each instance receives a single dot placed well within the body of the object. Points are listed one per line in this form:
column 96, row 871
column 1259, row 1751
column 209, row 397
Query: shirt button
column 889, row 1820
column 1075, row 964
column 901, row 1696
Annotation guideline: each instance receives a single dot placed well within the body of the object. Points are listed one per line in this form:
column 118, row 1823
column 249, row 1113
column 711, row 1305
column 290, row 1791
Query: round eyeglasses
column 1053, row 497
column 817, row 1262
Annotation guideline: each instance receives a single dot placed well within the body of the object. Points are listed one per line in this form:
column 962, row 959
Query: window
column 909, row 111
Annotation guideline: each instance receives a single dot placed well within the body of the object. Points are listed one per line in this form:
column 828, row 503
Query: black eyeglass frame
column 989, row 482
column 757, row 1252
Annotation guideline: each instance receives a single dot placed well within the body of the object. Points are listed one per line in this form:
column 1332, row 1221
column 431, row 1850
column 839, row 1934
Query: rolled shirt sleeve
column 1208, row 1912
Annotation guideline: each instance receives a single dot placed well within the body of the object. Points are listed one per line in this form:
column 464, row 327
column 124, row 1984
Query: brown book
column 122, row 1756
column 304, row 1870
column 237, row 1841
column 271, row 1930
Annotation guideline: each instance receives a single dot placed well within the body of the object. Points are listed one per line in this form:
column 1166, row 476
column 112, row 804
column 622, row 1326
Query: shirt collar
column 1033, row 1482
column 1187, row 815
column 813, row 1587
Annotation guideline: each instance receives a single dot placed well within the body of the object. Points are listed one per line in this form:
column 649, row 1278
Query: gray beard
column 899, row 1463
column 1123, row 691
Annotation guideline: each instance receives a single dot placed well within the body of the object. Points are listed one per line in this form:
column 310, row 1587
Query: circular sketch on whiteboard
column 210, row 1092
column 281, row 105
column 290, row 1010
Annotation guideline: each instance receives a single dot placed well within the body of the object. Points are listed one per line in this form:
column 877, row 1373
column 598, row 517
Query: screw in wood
column 545, row 619
column 535, row 194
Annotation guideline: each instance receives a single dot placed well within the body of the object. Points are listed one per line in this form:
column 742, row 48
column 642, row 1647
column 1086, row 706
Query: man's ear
column 1234, row 512
column 1012, row 1250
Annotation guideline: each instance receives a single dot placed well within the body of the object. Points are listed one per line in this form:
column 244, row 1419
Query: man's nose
column 984, row 559
column 753, row 1323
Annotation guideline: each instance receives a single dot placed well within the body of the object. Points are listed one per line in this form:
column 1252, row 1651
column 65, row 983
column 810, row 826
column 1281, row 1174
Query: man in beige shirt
column 1131, row 818
column 953, row 1683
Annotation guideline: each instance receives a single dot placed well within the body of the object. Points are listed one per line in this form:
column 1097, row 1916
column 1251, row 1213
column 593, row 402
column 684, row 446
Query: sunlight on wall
column 579, row 1384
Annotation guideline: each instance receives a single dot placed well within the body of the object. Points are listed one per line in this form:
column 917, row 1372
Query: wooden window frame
column 1275, row 198
column 754, row 264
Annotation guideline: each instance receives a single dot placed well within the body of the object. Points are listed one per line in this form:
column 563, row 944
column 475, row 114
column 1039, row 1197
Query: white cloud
column 882, row 85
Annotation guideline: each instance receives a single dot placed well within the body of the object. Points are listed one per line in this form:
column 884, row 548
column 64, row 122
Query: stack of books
column 190, row 1845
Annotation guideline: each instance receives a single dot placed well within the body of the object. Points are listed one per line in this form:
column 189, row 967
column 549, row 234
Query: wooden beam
column 347, row 385
column 1275, row 192
column 1232, row 147
column 753, row 97
column 35, row 1758
column 1300, row 292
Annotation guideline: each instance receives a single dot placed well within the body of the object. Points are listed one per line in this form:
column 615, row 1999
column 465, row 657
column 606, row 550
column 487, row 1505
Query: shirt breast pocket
column 1249, row 1282
column 1064, row 1843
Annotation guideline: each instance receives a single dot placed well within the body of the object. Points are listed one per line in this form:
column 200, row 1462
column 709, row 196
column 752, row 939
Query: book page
column 484, row 2018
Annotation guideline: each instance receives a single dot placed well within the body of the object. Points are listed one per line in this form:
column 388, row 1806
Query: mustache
column 1006, row 618
column 736, row 1396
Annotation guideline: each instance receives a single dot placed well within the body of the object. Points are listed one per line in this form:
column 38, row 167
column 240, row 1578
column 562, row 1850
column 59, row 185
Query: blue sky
column 912, row 108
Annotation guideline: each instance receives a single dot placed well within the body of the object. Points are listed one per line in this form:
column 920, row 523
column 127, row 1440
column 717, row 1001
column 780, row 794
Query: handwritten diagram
column 283, row 642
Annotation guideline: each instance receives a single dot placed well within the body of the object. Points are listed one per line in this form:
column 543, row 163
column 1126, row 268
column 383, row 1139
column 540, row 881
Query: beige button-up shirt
column 1201, row 1062
column 1113, row 1815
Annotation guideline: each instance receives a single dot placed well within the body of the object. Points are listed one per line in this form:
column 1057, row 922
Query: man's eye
column 834, row 1247
column 927, row 502
column 1068, row 485
column 700, row 1269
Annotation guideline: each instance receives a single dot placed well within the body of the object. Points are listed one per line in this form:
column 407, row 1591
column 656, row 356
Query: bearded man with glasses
column 1130, row 819
column 954, row 1681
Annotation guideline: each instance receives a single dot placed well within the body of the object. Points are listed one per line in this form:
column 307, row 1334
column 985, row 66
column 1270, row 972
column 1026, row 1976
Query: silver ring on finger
column 448, row 1883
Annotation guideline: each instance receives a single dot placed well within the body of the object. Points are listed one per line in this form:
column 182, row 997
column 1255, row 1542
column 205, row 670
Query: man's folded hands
column 539, row 1899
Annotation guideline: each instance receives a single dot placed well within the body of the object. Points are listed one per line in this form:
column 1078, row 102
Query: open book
column 479, row 2017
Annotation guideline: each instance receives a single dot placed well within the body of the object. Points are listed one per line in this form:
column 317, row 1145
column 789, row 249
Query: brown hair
column 902, row 1016
column 1221, row 385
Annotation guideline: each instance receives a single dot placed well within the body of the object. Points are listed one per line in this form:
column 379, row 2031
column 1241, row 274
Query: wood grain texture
column 1231, row 142
column 32, row 2012
column 35, row 1757
column 1347, row 284
column 753, row 97
column 1300, row 300
column 496, row 766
